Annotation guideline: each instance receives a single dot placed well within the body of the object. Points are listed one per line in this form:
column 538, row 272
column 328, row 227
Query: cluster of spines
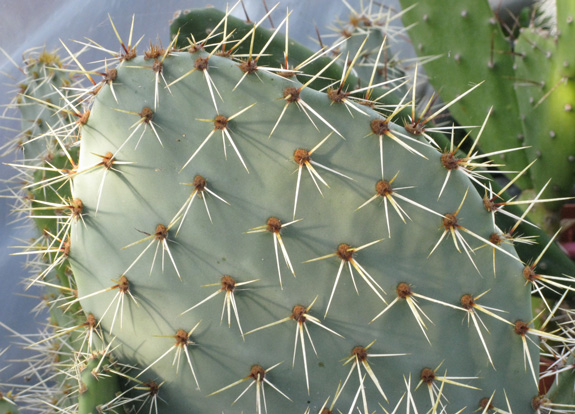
column 161, row 236
column 368, row 39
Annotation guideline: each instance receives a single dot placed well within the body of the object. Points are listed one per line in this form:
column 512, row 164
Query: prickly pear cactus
column 546, row 98
column 241, row 242
column 253, row 192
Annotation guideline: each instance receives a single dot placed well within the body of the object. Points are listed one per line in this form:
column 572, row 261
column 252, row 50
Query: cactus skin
column 566, row 36
column 546, row 95
column 149, row 192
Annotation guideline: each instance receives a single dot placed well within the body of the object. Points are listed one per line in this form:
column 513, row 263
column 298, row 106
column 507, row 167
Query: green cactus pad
column 546, row 95
column 152, row 227
column 566, row 36
column 98, row 386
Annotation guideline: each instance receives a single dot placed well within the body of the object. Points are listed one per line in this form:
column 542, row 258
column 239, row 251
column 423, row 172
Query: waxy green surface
column 151, row 191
